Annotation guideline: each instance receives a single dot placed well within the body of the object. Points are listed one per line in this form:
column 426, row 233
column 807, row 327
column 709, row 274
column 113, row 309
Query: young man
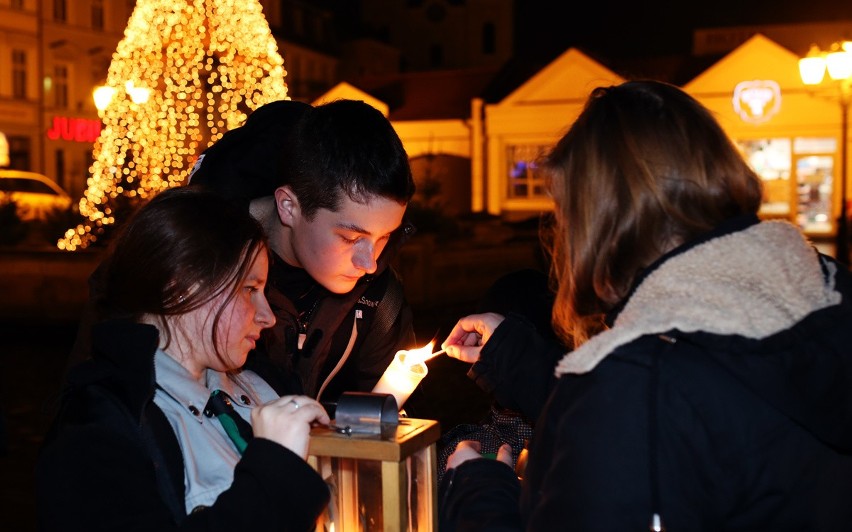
column 330, row 184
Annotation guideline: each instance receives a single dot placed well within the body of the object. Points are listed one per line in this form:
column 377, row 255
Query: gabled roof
column 757, row 58
column 344, row 90
column 570, row 76
column 434, row 95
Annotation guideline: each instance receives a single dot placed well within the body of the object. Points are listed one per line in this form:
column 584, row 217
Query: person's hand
column 470, row 450
column 287, row 421
column 470, row 334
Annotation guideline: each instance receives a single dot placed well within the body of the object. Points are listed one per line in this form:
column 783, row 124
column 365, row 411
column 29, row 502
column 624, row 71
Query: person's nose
column 264, row 315
column 364, row 257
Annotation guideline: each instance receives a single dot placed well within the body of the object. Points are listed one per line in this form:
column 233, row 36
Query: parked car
column 36, row 195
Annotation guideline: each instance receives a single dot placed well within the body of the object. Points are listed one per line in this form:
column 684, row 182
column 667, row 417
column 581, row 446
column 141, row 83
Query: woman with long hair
column 166, row 426
column 710, row 384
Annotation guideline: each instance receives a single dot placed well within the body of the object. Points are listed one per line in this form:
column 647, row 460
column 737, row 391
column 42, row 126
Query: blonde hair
column 643, row 169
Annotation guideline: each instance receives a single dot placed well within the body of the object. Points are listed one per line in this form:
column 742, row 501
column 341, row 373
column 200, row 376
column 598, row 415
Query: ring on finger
column 295, row 404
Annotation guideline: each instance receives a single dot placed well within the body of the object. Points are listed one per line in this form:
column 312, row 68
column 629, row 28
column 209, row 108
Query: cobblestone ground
column 32, row 363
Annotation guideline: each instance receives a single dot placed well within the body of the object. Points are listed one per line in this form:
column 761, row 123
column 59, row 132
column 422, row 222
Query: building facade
column 52, row 54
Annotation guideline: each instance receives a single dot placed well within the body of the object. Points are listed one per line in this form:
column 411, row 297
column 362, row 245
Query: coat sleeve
column 93, row 478
column 517, row 365
column 589, row 467
column 479, row 495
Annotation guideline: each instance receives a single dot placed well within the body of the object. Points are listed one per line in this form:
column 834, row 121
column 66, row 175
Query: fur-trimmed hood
column 752, row 283
column 763, row 304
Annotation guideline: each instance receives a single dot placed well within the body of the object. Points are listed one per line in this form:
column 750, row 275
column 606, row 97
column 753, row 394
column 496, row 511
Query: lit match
column 405, row 372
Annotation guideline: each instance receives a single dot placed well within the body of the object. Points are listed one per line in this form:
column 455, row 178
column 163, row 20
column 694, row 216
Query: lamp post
column 838, row 62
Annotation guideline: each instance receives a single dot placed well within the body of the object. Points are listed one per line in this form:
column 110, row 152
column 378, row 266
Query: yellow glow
column 812, row 69
column 404, row 373
column 418, row 356
column 839, row 64
column 102, row 96
column 185, row 72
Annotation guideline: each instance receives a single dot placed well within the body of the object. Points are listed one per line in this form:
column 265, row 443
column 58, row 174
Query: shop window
column 798, row 179
column 524, row 178
column 814, row 186
column 19, row 74
column 771, row 160
column 98, row 14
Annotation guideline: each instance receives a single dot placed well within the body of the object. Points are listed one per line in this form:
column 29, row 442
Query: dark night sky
column 619, row 28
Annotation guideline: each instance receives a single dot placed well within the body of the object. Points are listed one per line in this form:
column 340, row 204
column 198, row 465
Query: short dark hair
column 178, row 251
column 245, row 164
column 345, row 146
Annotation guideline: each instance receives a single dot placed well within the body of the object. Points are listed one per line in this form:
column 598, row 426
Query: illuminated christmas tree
column 185, row 72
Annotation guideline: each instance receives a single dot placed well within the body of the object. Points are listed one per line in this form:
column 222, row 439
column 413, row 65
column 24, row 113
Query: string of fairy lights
column 185, row 72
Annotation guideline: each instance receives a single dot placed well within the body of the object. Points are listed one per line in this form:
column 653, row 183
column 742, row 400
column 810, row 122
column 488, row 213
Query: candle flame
column 420, row 355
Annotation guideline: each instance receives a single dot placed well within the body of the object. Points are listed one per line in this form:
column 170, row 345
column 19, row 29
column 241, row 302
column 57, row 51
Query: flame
column 420, row 355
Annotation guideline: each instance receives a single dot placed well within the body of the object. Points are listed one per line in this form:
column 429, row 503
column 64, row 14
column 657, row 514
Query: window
column 298, row 20
column 489, row 39
column 98, row 14
column 60, row 86
column 60, row 11
column 771, row 159
column 319, row 29
column 19, row 74
column 524, row 179
column 798, row 179
column 19, row 152
column 436, row 55
column 60, row 167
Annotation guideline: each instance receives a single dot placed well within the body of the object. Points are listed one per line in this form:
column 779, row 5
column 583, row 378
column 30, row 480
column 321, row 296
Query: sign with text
column 74, row 129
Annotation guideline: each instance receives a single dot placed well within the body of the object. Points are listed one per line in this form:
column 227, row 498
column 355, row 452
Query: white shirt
column 209, row 455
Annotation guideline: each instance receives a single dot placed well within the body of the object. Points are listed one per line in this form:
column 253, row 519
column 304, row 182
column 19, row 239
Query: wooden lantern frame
column 408, row 457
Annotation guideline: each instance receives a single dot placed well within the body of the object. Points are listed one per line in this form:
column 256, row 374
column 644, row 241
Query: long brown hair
column 644, row 168
column 180, row 250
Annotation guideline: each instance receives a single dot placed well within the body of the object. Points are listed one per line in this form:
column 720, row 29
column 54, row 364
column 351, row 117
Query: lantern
column 381, row 469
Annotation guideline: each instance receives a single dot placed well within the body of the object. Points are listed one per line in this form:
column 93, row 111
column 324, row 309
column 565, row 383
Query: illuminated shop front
column 799, row 173
column 798, row 179
column 788, row 132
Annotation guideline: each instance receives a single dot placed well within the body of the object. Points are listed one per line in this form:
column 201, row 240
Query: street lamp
column 812, row 68
column 104, row 94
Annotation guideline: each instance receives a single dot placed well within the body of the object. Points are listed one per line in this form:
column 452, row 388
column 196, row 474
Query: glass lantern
column 384, row 480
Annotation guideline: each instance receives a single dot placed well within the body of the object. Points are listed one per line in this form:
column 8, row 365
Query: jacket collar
column 752, row 283
column 122, row 360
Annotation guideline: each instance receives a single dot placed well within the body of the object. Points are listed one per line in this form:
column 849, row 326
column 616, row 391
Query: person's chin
column 342, row 285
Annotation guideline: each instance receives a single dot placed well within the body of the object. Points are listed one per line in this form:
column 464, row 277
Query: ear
column 287, row 205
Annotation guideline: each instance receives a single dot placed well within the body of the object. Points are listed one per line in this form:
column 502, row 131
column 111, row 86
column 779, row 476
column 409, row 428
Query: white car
column 36, row 195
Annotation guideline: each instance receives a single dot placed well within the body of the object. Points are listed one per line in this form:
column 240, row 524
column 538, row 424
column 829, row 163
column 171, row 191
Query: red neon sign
column 74, row 129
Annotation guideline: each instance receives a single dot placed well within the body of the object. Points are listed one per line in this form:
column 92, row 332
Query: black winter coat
column 737, row 416
column 111, row 461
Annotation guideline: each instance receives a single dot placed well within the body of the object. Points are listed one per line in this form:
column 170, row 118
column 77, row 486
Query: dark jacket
column 112, row 462
column 720, row 399
column 374, row 316
column 350, row 338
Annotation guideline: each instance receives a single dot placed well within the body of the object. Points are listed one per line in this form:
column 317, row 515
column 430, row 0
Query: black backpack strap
column 389, row 307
